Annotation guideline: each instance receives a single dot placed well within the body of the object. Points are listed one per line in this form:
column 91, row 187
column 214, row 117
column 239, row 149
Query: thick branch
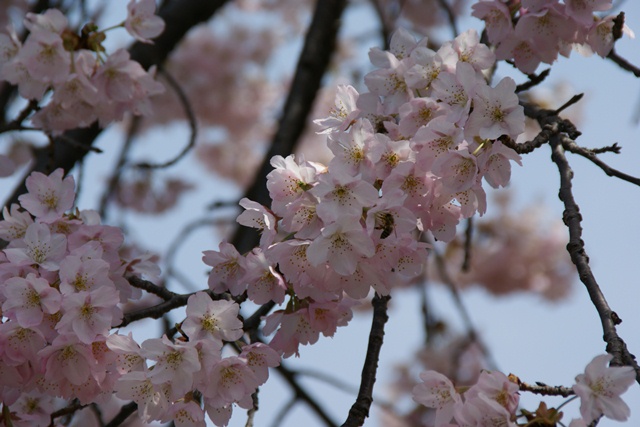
column 360, row 409
column 572, row 219
column 314, row 60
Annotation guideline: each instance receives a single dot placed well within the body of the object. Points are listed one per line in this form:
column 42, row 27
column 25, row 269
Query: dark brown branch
column 72, row 408
column 301, row 394
column 551, row 124
column 468, row 238
column 314, row 60
column 623, row 63
column 159, row 310
column 125, row 412
column 570, row 145
column 150, row 287
column 534, row 80
column 572, row 219
column 360, row 409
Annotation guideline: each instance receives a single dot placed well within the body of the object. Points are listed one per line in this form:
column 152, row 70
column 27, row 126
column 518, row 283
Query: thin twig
column 360, row 409
column 191, row 118
column 572, row 219
column 301, row 394
column 571, row 146
column 534, row 80
column 623, row 63
column 543, row 389
column 252, row 411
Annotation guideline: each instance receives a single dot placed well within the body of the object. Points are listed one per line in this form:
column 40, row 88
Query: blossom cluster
column 85, row 83
column 493, row 400
column 63, row 283
column 409, row 158
column 533, row 31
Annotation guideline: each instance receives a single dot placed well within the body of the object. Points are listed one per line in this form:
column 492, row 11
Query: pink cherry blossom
column 141, row 22
column 257, row 216
column 497, row 18
column 45, row 57
column 26, row 300
column 67, row 361
column 496, row 386
column 15, row 224
column 185, row 413
column 89, row 314
column 77, row 274
column 20, row 345
column 350, row 149
column 293, row 329
column 264, row 282
column 341, row 245
column 600, row 387
column 458, row 170
column 288, row 181
column 582, row 10
column 39, row 246
column 48, row 197
column 137, row 386
column 437, row 391
column 260, row 357
column 344, row 113
column 175, row 363
column 228, row 269
column 128, row 353
column 467, row 48
column 212, row 319
column 231, row 380
column 52, row 21
column 343, row 195
column 496, row 112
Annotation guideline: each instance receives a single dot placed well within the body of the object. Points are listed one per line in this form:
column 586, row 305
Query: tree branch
column 572, row 219
column 360, row 409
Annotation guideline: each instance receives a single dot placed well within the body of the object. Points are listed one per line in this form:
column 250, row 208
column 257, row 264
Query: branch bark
column 360, row 409
column 572, row 219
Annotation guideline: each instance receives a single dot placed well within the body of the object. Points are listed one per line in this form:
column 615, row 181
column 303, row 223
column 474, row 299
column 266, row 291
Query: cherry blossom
column 436, row 391
column 175, row 364
column 211, row 319
column 141, row 22
column 600, row 387
column 49, row 196
column 26, row 300
column 39, row 246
